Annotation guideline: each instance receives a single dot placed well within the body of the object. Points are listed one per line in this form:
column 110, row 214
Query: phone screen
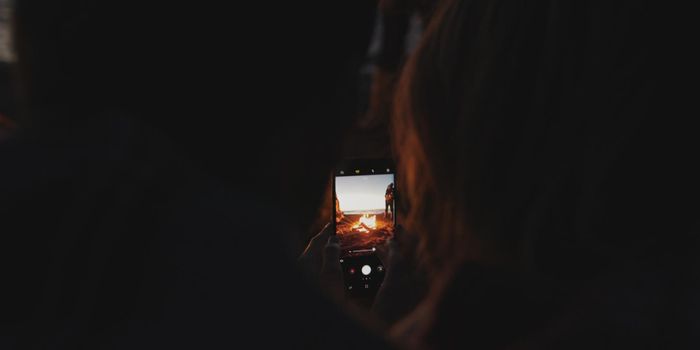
column 365, row 219
column 364, row 208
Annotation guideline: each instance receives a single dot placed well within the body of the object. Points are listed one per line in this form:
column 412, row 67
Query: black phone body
column 364, row 218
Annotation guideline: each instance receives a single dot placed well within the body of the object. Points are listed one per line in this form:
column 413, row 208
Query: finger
column 332, row 248
column 317, row 242
column 331, row 271
column 334, row 240
column 331, row 255
column 322, row 237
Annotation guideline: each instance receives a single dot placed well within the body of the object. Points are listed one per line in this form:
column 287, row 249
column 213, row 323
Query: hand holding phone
column 364, row 218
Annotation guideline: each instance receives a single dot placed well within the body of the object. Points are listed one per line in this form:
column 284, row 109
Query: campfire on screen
column 365, row 223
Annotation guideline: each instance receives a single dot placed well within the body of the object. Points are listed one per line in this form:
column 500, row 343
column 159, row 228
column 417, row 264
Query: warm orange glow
column 365, row 223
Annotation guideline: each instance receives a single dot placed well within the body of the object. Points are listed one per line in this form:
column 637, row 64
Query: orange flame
column 365, row 223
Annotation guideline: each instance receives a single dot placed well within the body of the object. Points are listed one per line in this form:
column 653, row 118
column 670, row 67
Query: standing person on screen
column 389, row 200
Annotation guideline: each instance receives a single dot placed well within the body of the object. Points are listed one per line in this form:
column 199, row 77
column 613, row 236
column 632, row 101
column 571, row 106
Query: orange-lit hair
column 522, row 132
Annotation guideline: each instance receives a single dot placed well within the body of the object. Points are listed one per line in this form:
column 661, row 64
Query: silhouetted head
column 546, row 135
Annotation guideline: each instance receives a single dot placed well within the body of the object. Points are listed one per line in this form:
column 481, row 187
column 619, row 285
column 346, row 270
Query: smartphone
column 364, row 218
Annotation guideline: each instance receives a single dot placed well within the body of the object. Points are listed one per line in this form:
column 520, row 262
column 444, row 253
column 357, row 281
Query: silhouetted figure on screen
column 389, row 201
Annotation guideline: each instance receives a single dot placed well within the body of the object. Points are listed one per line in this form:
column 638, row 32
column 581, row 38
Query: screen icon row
column 358, row 171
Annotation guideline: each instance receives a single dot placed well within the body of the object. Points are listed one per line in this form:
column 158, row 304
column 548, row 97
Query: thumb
column 331, row 256
column 331, row 271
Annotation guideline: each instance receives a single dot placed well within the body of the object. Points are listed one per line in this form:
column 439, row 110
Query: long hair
column 540, row 133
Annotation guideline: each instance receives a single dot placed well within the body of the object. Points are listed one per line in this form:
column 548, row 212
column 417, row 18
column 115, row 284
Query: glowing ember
column 366, row 223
